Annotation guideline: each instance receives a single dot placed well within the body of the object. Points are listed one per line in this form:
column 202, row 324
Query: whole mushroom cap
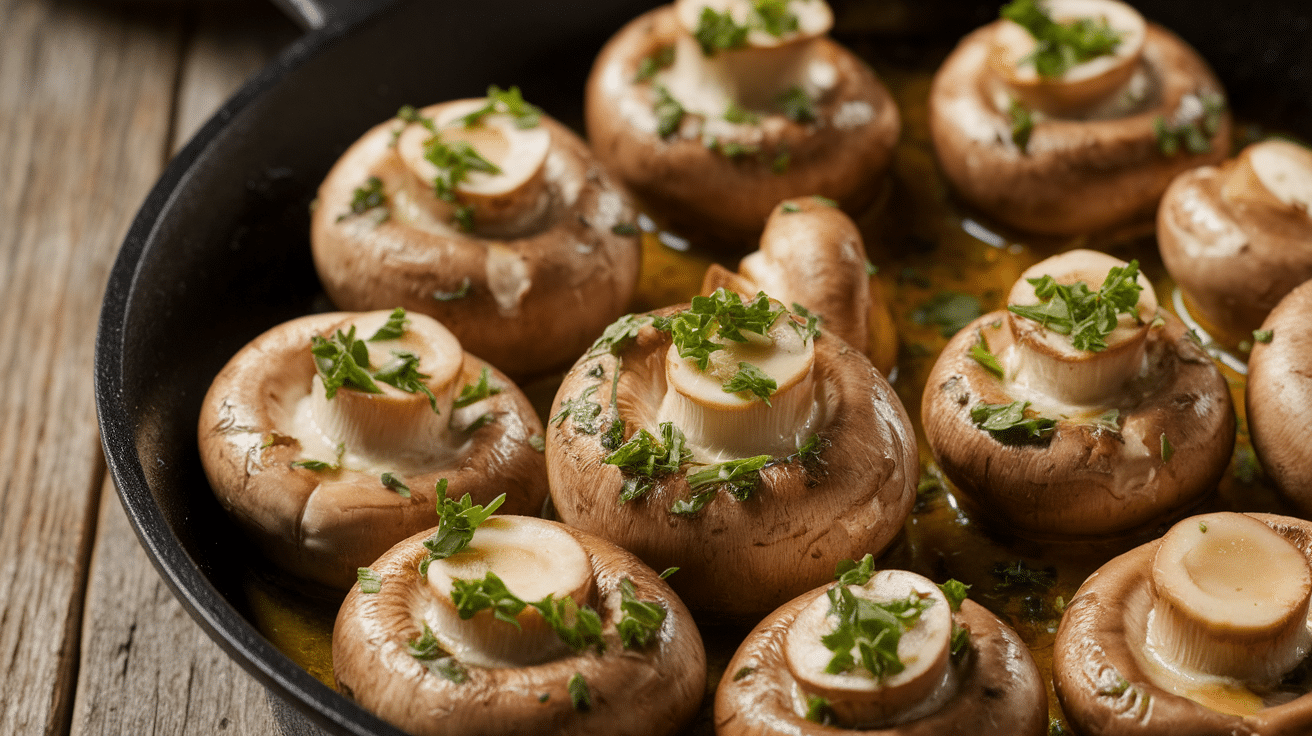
column 1098, row 672
column 999, row 691
column 1231, row 244
column 852, row 500
column 842, row 155
column 525, row 303
column 644, row 691
column 1074, row 175
column 323, row 525
column 1278, row 397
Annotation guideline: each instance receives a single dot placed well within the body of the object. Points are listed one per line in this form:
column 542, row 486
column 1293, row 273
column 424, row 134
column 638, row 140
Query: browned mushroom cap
column 705, row 174
column 641, row 691
column 1086, row 164
column 1138, row 434
column 552, row 258
column 1238, row 237
column 812, row 254
column 1279, row 396
column 266, row 410
column 1109, row 677
column 737, row 558
column 992, row 688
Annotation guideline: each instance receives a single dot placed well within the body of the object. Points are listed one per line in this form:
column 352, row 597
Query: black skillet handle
column 315, row 14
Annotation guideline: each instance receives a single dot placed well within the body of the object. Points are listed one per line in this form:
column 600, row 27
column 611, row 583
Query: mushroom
column 1053, row 436
column 672, row 461
column 1236, row 237
column 1191, row 633
column 712, row 111
column 325, row 481
column 412, row 654
column 488, row 216
column 782, row 679
column 812, row 255
column 1278, row 396
column 1062, row 139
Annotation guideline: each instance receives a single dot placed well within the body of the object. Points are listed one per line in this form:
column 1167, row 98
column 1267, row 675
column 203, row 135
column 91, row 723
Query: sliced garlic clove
column 1045, row 361
column 1084, row 85
column 1231, row 599
column 534, row 558
column 857, row 699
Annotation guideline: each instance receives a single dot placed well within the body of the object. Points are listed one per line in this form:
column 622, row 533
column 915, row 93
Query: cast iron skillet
column 219, row 251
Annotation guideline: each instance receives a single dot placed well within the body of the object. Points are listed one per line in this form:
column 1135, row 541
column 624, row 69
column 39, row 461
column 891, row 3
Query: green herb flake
column 471, row 394
column 505, row 102
column 723, row 314
column 871, row 269
column 537, row 442
column 393, row 483
column 872, row 629
column 790, row 207
column 464, row 218
column 1087, row 316
column 669, row 113
column 1061, row 46
column 744, row 672
column 490, row 593
column 818, row 710
column 1167, row 450
column 342, row 362
column 774, row 17
column 1202, row 527
column 850, row 572
column 318, row 466
column 403, row 373
column 619, row 333
column 960, row 639
column 1263, row 336
column 409, row 115
column 740, row 115
column 644, row 458
column 949, row 310
column 579, row 627
column 454, row 162
column 579, row 696
column 750, row 378
column 427, row 650
column 740, row 476
column 640, row 621
column 980, row 352
column 809, row 327
column 544, row 697
column 1008, row 424
column 370, row 581
column 809, row 450
column 662, row 58
column 718, row 31
column 366, row 197
column 456, row 524
column 625, row 229
column 668, row 572
column 1018, row 575
column 781, row 162
column 825, row 201
column 394, row 328
column 483, row 420
column 1022, row 125
column 460, row 292
column 955, row 591
column 582, row 409
column 1110, row 419
column 796, row 105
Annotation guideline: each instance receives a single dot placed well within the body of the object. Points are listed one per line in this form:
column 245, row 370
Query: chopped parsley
column 370, row 581
column 809, row 328
column 409, row 115
column 483, row 420
column 1193, row 136
column 1263, row 336
column 403, row 373
column 489, row 593
column 819, row 711
column 477, row 392
column 662, row 58
column 955, row 591
column 1061, row 46
column 950, row 310
column 724, row 315
column 1008, row 424
column 318, row 466
column 717, row 32
column 873, row 629
column 625, row 229
column 430, row 653
column 619, row 333
column 454, row 161
column 1087, row 316
column 582, row 409
column 366, row 197
column 850, row 572
column 750, row 378
column 1019, row 575
column 669, row 113
column 739, row 114
column 809, row 450
column 343, row 362
column 739, row 477
column 579, row 696
column 394, row 328
column 644, row 458
column 578, row 627
column 456, row 525
column 393, row 483
column 460, row 292
column 640, row 620
column 1022, row 125
column 774, row 17
column 980, row 352
column 1167, row 449
column 796, row 105
column 506, row 102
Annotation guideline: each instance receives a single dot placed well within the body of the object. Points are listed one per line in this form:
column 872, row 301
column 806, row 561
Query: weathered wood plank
column 85, row 94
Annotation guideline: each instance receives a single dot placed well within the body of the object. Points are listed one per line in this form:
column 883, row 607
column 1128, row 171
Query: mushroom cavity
column 713, row 111
column 327, row 437
column 723, row 436
column 1235, row 237
column 1193, row 633
column 532, row 627
column 1069, row 116
column 487, row 215
column 1083, row 409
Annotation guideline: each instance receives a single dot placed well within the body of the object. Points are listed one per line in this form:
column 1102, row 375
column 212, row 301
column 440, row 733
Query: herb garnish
column 644, row 458
column 1019, row 575
column 980, row 352
column 461, row 292
column 639, row 620
column 739, row 477
column 342, row 362
column 739, row 114
column 458, row 520
column 774, row 17
column 850, row 572
column 403, row 373
column 819, row 711
column 1008, row 424
column 578, row 627
column 796, row 105
column 1193, row 135
column 662, row 58
column 454, row 161
column 1167, row 449
column 477, row 392
column 669, row 113
column 370, row 581
column 430, row 653
column 1263, row 336
column 1022, row 124
column 955, row 591
column 753, row 379
column 583, row 409
column 1088, row 317
column 409, row 115
column 1061, row 45
column 722, row 314
column 873, row 629
column 719, row 31
column 394, row 328
column 618, row 333
column 579, row 696
column 394, row 483
column 506, row 102
column 366, row 198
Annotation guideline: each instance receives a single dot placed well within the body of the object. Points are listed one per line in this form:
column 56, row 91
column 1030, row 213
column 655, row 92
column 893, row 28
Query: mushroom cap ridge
column 740, row 559
column 697, row 190
column 269, row 499
column 648, row 691
column 1091, row 655
column 1279, row 397
column 1233, row 260
column 1076, row 175
column 1000, row 692
column 1079, row 484
column 578, row 273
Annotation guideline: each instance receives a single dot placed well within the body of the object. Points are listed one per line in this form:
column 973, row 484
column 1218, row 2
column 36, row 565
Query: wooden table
column 94, row 98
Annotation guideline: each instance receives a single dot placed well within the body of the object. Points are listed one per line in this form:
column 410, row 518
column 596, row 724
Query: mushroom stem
column 1084, row 86
column 534, row 559
column 1274, row 174
column 1231, row 599
column 396, row 429
column 1045, row 364
column 720, row 425
column 858, row 698
column 511, row 199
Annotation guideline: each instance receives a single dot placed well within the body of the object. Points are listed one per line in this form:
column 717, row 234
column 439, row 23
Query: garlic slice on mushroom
column 857, row 698
column 534, row 559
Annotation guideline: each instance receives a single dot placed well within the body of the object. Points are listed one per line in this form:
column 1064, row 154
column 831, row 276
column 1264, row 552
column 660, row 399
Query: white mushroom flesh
column 857, row 698
column 1274, row 172
column 1045, row 368
column 722, row 426
column 391, row 431
column 1231, row 600
column 534, row 559
column 755, row 75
